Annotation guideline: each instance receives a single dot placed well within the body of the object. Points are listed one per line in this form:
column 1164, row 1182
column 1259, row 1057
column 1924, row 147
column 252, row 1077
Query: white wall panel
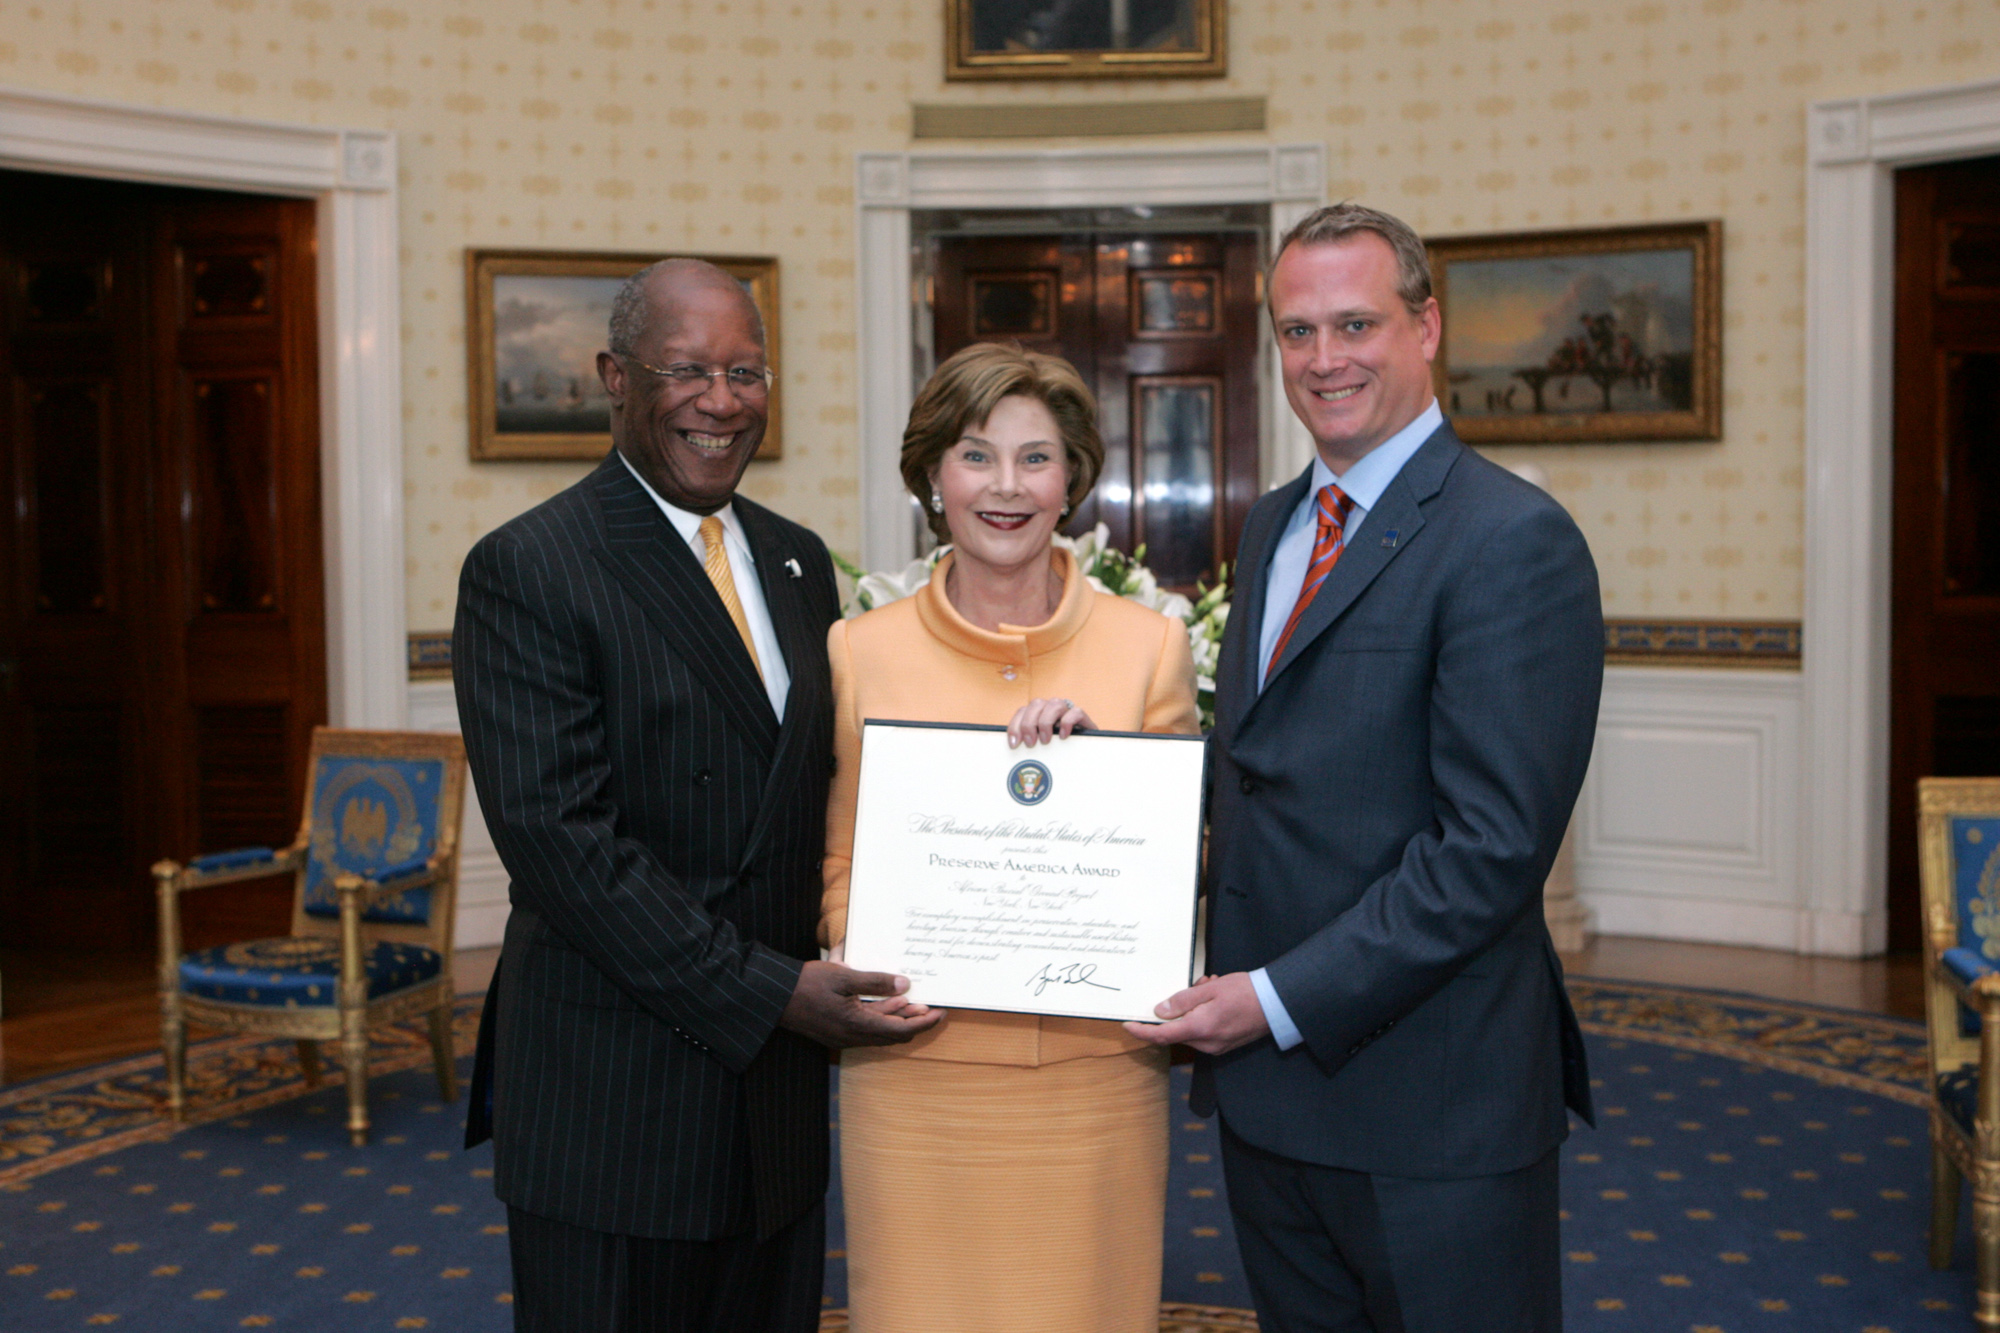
column 1689, row 824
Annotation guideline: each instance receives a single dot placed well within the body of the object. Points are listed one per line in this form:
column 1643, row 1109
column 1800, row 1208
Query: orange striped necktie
column 716, row 565
column 1333, row 507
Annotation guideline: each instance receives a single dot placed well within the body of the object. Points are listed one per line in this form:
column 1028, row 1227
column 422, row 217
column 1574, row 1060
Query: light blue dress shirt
column 1363, row 484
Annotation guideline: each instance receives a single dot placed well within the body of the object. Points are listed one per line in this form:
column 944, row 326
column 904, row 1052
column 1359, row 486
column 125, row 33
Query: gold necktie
column 717, row 565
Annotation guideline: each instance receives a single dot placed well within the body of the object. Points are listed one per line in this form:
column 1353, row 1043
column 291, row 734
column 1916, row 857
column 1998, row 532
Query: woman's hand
column 1040, row 721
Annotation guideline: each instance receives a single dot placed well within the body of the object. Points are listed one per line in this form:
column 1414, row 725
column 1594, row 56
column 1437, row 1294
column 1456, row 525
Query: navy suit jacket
column 1383, row 816
column 663, row 833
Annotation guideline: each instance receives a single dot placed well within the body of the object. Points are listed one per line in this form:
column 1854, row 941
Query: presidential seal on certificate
column 1056, row 880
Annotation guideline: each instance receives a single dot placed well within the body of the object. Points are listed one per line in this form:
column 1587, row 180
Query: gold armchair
column 1959, row 838
column 375, row 867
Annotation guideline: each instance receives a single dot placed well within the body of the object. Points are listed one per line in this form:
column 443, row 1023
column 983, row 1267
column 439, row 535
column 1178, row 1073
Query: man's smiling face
column 691, row 445
column 1356, row 361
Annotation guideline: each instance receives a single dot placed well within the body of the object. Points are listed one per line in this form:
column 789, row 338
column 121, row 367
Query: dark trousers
column 571, row 1280
column 1333, row 1251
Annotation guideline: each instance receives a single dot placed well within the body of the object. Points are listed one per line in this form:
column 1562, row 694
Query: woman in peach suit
column 1003, row 1172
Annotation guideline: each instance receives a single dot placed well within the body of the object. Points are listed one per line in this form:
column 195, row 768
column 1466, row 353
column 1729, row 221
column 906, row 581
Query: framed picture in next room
column 1084, row 39
column 1572, row 336
column 535, row 321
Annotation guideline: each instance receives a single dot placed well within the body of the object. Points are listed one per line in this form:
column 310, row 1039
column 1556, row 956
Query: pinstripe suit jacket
column 663, row 833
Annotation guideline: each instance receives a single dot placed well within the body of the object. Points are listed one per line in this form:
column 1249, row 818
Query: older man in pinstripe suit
column 642, row 678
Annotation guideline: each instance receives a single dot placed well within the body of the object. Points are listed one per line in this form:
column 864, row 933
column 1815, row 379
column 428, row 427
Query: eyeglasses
column 744, row 381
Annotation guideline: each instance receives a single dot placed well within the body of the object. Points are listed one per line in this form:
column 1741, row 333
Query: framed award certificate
column 1060, row 879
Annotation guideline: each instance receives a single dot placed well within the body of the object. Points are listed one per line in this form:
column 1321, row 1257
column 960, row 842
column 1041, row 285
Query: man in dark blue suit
column 1405, row 706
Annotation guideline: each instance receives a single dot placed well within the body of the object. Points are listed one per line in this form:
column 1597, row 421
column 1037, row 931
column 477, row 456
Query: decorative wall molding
column 1853, row 147
column 430, row 654
column 1290, row 178
column 352, row 176
column 1059, row 120
column 1689, row 826
column 1772, row 644
column 482, row 880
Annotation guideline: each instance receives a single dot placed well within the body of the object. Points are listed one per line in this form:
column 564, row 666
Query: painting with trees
column 1611, row 334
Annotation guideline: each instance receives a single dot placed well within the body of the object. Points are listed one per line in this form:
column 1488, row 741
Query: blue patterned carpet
column 1758, row 1166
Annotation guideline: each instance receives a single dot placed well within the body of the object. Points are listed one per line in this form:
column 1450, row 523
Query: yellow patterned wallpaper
column 723, row 125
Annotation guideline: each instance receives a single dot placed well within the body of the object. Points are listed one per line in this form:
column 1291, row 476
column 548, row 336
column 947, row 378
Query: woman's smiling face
column 1004, row 484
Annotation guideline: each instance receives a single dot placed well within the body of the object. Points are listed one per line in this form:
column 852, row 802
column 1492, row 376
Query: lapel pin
column 793, row 565
column 1389, row 538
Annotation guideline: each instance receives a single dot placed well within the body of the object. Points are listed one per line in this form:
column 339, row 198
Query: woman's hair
column 963, row 392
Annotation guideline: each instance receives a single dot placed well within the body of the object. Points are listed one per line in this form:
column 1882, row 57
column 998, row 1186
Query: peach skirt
column 1003, row 1199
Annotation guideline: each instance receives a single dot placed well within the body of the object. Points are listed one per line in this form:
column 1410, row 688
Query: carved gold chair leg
column 354, row 1056
column 441, row 1055
column 173, row 1027
column 173, row 1047
column 1986, row 1160
column 1945, row 1181
column 309, row 1062
column 353, row 1008
column 1986, row 1244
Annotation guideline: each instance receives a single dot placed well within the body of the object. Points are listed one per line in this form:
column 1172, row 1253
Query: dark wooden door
column 1165, row 329
column 1945, row 589
column 162, row 638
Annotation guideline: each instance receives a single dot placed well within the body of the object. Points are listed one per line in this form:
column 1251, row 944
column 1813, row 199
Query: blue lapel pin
column 1389, row 538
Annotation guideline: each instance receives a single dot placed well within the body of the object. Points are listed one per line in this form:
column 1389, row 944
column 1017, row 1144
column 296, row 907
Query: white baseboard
column 482, row 880
column 1689, row 827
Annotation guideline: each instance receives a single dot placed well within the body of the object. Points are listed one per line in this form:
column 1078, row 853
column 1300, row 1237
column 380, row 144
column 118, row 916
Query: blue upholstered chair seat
column 298, row 972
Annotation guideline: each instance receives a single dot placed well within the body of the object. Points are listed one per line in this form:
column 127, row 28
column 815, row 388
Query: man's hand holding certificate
column 1058, row 880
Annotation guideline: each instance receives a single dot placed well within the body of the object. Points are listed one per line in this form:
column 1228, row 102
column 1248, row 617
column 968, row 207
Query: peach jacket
column 918, row 659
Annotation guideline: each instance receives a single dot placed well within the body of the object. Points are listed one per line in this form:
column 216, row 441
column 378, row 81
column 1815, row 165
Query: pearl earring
column 937, row 501
column 1065, row 512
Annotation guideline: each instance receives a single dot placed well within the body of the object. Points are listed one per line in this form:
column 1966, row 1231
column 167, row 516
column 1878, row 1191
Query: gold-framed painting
column 1085, row 39
column 1605, row 334
column 535, row 321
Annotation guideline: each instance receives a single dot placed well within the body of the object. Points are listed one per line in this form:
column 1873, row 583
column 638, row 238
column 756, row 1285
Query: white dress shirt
column 1363, row 484
column 743, row 569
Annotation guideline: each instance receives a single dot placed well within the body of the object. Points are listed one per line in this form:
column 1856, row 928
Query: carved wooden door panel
column 75, row 440
column 162, row 639
column 1945, row 580
column 1165, row 329
column 243, row 618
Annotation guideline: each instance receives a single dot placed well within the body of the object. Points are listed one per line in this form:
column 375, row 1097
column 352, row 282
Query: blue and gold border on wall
column 430, row 654
column 1772, row 644
column 1722, row 643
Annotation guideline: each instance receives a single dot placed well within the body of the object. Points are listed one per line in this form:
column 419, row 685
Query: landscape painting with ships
column 547, row 332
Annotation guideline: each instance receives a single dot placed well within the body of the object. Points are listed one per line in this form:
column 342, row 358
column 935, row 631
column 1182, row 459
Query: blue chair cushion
column 299, row 973
column 1958, row 1094
column 373, row 817
column 242, row 856
column 1966, row 965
